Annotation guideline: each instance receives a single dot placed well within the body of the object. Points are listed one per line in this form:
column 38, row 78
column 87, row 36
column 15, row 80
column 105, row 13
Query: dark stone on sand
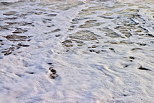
column 92, row 50
column 23, row 45
column 132, row 57
column 52, row 15
column 124, row 95
column 72, row 26
column 53, row 76
column 112, row 49
column 67, row 43
column 150, row 35
column 56, row 30
column 94, row 46
column 52, row 70
column 17, row 38
column 126, row 65
column 136, row 49
column 103, row 50
column 142, row 44
column 50, row 63
column 131, row 60
column 97, row 52
column 48, row 26
column 7, row 52
column 57, row 35
column 142, row 68
column 30, row 72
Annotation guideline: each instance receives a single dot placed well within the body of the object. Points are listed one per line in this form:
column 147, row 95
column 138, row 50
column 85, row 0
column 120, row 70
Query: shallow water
column 102, row 52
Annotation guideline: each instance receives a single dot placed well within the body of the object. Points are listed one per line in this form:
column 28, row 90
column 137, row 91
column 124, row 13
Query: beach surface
column 80, row 52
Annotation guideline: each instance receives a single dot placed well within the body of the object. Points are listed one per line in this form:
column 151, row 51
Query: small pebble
column 53, row 76
column 142, row 68
column 50, row 63
column 57, row 35
column 132, row 57
column 52, row 70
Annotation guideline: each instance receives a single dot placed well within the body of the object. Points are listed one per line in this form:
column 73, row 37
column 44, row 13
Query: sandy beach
column 80, row 52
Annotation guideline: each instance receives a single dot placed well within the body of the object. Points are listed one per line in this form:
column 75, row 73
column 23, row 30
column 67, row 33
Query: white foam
column 91, row 68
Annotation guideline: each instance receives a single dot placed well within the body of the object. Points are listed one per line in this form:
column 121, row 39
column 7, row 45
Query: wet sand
column 94, row 52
